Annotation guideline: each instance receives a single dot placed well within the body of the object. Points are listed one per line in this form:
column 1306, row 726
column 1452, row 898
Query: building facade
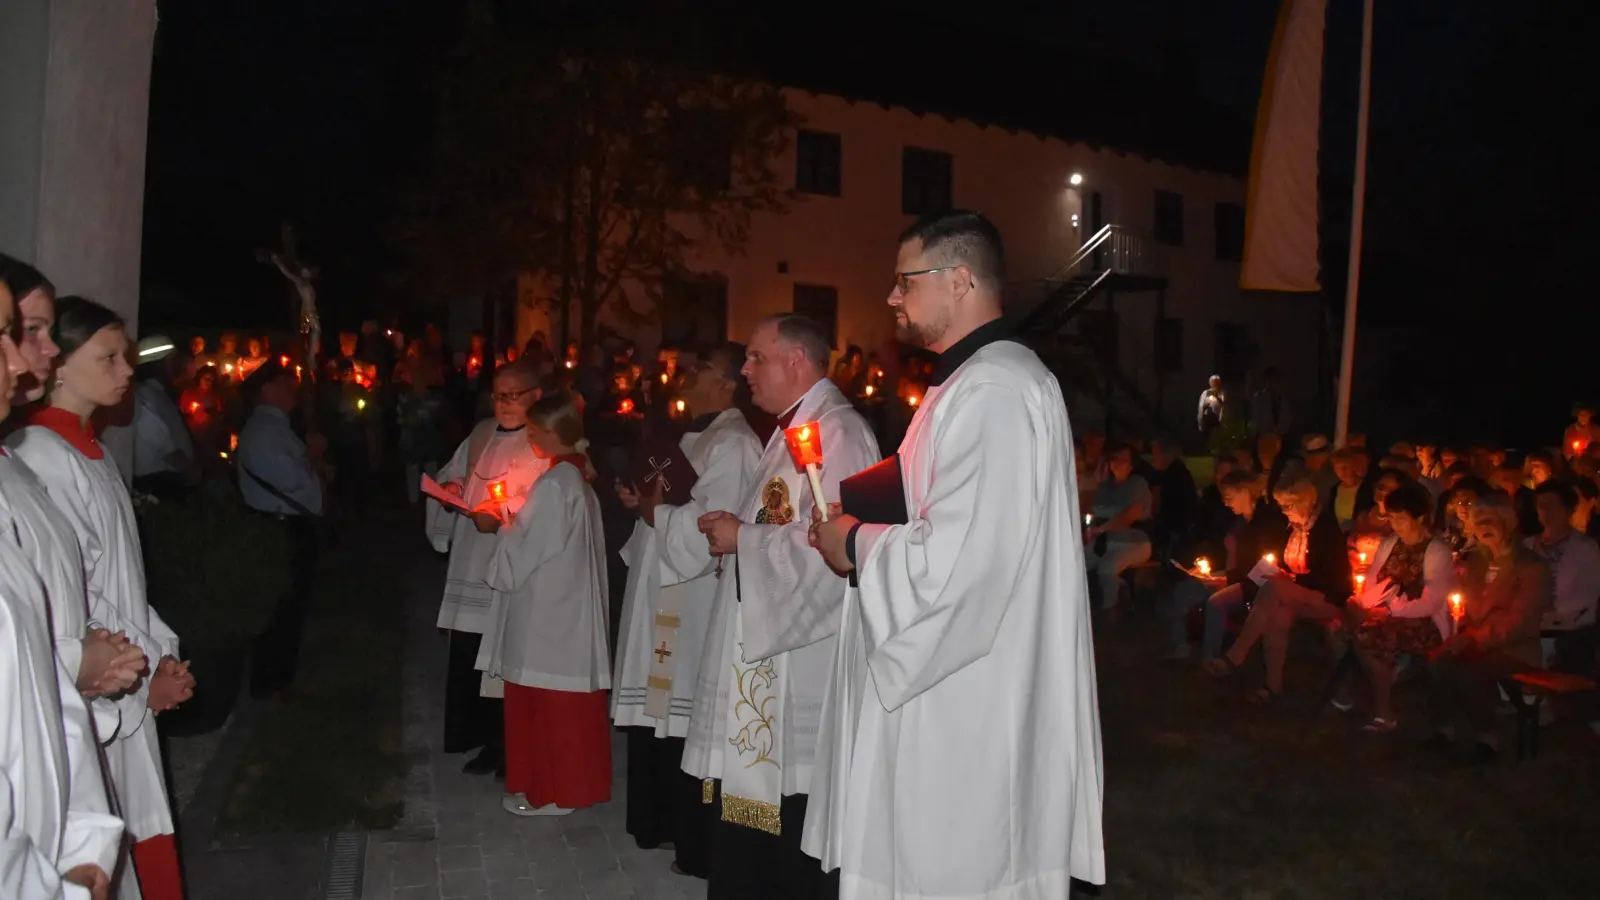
column 863, row 172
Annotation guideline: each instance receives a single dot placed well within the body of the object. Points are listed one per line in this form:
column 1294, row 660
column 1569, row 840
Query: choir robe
column 672, row 562
column 45, row 539
column 489, row 454
column 769, row 648
column 960, row 750
column 91, row 495
column 42, row 833
column 547, row 627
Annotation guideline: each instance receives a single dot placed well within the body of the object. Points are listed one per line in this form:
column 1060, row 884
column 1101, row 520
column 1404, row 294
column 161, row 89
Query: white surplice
column 487, row 455
column 92, row 496
column 43, row 835
column 672, row 565
column 960, row 751
column 547, row 628
column 769, row 648
column 45, row 539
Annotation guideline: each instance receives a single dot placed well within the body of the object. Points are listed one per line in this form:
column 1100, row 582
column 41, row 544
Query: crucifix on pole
column 301, row 277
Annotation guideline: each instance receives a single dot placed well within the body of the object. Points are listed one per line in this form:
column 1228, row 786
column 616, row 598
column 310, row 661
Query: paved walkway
column 456, row 842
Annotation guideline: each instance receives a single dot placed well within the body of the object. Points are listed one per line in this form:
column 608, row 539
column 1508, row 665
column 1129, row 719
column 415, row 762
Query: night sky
column 1479, row 191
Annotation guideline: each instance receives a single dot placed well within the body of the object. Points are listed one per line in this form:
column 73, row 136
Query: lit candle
column 805, row 445
column 360, row 404
column 1270, row 559
column 1360, row 581
column 625, row 407
column 283, row 360
column 1203, row 566
column 1362, row 556
column 497, row 491
column 569, row 363
column 681, row 406
column 871, row 390
column 194, row 406
column 233, row 442
column 663, row 378
column 1576, row 446
column 1456, row 609
column 227, row 368
column 223, row 454
column 1088, row 519
column 912, row 399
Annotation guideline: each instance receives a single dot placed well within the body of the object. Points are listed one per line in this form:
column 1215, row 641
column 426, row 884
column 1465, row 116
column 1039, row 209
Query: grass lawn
column 330, row 756
column 1207, row 796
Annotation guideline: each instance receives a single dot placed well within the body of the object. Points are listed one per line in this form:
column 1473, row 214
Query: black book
column 876, row 495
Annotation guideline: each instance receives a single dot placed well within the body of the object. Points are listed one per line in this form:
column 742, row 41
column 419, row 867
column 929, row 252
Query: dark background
column 1480, row 186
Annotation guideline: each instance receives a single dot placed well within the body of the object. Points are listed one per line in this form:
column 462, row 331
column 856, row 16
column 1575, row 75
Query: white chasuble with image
column 960, row 748
column 770, row 646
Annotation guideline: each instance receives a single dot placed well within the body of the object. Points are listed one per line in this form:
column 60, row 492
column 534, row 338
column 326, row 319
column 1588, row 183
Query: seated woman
column 1259, row 529
column 1456, row 524
column 1115, row 540
column 1311, row 582
column 1371, row 528
column 1403, row 604
column 1505, row 588
column 1568, row 626
column 1352, row 496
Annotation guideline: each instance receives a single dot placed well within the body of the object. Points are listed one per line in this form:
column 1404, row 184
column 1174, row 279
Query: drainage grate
column 347, row 857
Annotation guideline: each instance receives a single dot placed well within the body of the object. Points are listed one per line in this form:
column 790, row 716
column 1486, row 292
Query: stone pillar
column 74, row 106
column 75, row 90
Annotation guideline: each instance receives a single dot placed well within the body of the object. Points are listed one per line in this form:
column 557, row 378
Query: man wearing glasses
column 496, row 453
column 959, row 752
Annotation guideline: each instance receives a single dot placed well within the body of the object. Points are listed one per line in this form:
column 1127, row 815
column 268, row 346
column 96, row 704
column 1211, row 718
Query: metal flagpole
column 1358, row 205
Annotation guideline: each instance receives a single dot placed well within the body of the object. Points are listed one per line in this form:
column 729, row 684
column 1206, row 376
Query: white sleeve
column 934, row 591
column 1438, row 580
column 441, row 520
column 789, row 597
column 537, row 536
column 724, row 485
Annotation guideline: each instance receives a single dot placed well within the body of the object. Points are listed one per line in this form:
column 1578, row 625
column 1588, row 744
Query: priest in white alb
column 960, row 749
column 770, row 646
column 672, row 584
column 496, row 452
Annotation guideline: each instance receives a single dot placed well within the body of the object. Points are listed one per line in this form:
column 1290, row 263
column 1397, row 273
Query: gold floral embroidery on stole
column 754, row 684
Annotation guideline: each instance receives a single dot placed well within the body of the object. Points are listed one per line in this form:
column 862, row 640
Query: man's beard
column 919, row 334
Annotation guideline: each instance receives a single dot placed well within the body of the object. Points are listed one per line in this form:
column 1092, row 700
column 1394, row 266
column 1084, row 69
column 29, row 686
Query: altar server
column 59, row 445
column 545, row 635
column 496, row 452
column 56, row 838
column 672, row 584
column 769, row 649
column 960, row 751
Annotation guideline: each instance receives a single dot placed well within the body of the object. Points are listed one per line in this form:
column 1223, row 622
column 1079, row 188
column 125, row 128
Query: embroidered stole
column 664, row 650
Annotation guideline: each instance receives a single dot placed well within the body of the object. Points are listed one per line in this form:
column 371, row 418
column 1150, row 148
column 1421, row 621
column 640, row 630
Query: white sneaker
column 517, row 805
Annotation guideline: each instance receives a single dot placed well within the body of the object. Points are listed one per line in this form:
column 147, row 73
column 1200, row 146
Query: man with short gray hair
column 769, row 647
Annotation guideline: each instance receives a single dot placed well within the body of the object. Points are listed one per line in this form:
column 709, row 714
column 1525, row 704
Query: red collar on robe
column 71, row 429
column 576, row 460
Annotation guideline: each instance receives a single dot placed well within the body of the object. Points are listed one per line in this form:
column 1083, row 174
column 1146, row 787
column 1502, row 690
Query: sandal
column 1262, row 696
column 1219, row 667
column 1380, row 725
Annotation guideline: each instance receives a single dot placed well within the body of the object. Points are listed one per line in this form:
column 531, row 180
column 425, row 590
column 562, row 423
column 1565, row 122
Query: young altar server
column 770, row 645
column 57, row 838
column 496, row 452
column 960, row 751
column 545, row 636
column 59, row 445
column 672, row 584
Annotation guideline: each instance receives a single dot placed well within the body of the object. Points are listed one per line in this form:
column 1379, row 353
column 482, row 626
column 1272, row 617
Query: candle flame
column 1455, row 605
column 626, row 406
column 569, row 363
column 233, row 442
column 663, row 378
column 194, row 407
column 497, row 490
column 1088, row 520
column 227, row 367
column 1362, row 556
column 1271, row 559
column 361, row 404
column 682, row 406
column 805, row 433
column 1203, row 565
column 283, row 360
column 870, row 390
column 913, row 400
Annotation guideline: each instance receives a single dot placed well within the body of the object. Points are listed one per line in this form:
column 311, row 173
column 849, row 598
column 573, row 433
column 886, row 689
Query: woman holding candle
column 1401, row 605
column 1259, row 529
column 59, row 445
column 1505, row 587
column 546, row 632
column 1311, row 581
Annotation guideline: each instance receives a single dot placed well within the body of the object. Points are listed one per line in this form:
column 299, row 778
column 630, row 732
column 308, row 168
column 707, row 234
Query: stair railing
column 1113, row 247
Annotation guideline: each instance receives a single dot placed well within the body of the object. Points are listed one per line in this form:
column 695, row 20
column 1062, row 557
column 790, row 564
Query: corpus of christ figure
column 301, row 277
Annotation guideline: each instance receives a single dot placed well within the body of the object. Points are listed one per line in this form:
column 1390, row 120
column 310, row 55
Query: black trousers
column 746, row 862
column 276, row 653
column 470, row 721
column 665, row 804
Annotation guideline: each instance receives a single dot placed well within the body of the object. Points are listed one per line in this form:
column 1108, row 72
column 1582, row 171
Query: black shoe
column 1483, row 755
column 489, row 759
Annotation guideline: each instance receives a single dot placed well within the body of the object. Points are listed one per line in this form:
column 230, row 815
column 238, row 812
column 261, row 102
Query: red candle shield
column 497, row 491
column 805, row 444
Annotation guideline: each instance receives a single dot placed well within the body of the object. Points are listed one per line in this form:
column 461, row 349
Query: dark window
column 694, row 312
column 1169, row 346
column 1231, row 351
column 821, row 305
column 1169, row 218
column 1230, row 231
column 702, row 147
column 924, row 181
column 817, row 163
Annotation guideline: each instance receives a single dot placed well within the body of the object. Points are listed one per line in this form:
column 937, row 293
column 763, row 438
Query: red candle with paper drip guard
column 497, row 493
column 805, row 446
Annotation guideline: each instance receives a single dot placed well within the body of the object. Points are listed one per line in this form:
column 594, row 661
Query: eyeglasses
column 510, row 396
column 902, row 280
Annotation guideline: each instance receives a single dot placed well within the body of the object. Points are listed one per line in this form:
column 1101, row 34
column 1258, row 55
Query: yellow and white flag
column 1280, row 237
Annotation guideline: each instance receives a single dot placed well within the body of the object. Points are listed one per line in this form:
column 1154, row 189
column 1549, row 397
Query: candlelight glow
column 913, row 400
column 228, row 368
column 681, row 406
column 1362, row 556
column 1088, row 520
column 497, row 491
column 626, row 406
column 1270, row 559
column 361, row 404
column 283, row 361
column 569, row 363
column 233, row 442
column 870, row 390
column 1203, row 566
column 1576, row 445
column 223, row 454
column 194, row 406
column 805, row 444
column 1455, row 606
column 1360, row 581
column 663, row 378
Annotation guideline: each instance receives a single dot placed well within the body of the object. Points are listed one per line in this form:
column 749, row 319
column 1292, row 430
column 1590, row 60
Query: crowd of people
column 1457, row 561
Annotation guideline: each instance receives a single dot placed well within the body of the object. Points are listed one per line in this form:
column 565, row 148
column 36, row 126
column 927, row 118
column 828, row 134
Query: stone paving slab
column 456, row 843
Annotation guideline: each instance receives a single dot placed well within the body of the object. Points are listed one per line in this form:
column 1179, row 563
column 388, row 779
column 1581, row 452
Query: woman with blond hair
column 1309, row 581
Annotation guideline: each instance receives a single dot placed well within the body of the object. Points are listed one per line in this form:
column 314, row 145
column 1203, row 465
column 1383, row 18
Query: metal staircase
column 1087, row 354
